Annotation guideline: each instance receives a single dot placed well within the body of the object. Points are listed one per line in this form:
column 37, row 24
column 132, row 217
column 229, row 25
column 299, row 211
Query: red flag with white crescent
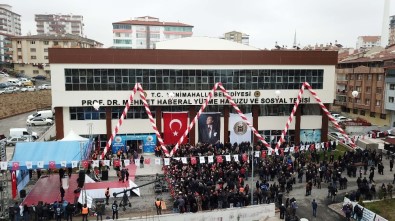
column 219, row 159
column 174, row 126
column 193, row 160
column 13, row 184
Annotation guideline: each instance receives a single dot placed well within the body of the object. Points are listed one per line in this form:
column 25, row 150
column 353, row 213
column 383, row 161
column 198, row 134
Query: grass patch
column 384, row 208
column 339, row 151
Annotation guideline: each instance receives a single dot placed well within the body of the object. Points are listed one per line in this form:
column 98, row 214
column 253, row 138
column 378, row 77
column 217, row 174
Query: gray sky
column 266, row 21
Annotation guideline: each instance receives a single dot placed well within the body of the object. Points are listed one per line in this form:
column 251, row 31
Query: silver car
column 39, row 121
column 13, row 140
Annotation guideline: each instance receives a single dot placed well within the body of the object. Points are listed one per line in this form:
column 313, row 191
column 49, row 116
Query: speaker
column 22, row 193
column 81, row 179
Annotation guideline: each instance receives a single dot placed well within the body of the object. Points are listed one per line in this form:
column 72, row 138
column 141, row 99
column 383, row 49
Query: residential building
column 252, row 76
column 59, row 24
column 30, row 53
column 5, row 49
column 366, row 72
column 10, row 22
column 238, row 37
column 144, row 32
column 368, row 41
column 391, row 39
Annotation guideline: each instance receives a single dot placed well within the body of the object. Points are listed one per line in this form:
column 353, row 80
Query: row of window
column 367, row 101
column 368, row 89
column 170, row 79
column 360, row 77
column 137, row 112
column 363, row 113
column 177, row 28
column 122, row 41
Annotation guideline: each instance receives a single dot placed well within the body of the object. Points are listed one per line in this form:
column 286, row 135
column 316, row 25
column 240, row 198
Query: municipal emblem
column 257, row 93
column 240, row 128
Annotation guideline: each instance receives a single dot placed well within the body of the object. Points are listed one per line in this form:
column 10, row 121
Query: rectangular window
column 392, row 87
column 383, row 116
column 359, row 76
column 33, row 57
column 372, row 114
column 46, row 57
column 32, row 50
column 379, row 90
column 378, row 103
column 380, row 77
column 368, row 89
column 391, row 99
column 45, row 49
column 191, row 80
column 358, row 88
column 35, row 72
column 369, row 77
column 367, row 101
column 46, row 42
column 32, row 42
column 351, row 77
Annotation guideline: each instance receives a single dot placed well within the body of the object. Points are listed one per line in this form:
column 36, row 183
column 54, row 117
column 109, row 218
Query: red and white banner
column 174, row 125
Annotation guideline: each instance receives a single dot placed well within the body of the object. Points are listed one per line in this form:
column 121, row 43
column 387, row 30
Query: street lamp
column 355, row 94
column 277, row 92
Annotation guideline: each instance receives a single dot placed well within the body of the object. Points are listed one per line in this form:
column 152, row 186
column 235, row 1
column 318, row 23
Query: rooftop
column 63, row 37
column 150, row 22
column 370, row 38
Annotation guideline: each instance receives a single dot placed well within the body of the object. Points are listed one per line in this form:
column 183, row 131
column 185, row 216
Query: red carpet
column 47, row 188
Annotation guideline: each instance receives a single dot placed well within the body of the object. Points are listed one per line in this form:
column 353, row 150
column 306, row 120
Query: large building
column 5, row 49
column 106, row 76
column 59, row 24
column 10, row 22
column 144, row 32
column 391, row 39
column 366, row 72
column 30, row 53
column 238, row 37
column 368, row 41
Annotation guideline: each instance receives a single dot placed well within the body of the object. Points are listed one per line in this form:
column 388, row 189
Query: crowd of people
column 224, row 184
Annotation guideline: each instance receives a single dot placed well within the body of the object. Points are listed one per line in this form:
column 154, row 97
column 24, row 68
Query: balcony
column 341, row 92
column 340, row 103
column 344, row 82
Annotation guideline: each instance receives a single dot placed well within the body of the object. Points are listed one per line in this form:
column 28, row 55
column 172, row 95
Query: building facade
column 238, row 37
column 83, row 76
column 5, row 49
column 59, row 24
column 30, row 53
column 10, row 22
column 391, row 37
column 368, row 41
column 144, row 32
column 367, row 75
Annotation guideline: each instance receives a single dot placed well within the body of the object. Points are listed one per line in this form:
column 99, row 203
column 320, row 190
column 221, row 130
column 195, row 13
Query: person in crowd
column 62, row 192
column 141, row 161
column 114, row 208
column 69, row 212
column 58, row 212
column 314, row 205
column 107, row 195
column 99, row 210
column 85, row 212
column 158, row 206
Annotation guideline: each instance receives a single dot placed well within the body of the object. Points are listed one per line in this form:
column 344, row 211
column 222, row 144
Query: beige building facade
column 30, row 53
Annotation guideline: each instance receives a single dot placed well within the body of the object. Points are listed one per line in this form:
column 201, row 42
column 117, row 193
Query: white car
column 44, row 87
column 342, row 119
column 39, row 121
column 8, row 90
column 2, row 74
column 28, row 88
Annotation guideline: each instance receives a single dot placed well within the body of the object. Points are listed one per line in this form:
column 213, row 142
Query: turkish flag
column 245, row 157
column 193, row 160
column 174, row 126
column 117, row 163
column 52, row 165
column 13, row 184
column 147, row 161
column 264, row 154
column 219, row 159
column 15, row 165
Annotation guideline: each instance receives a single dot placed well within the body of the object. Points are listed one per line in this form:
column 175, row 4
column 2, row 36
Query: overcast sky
column 266, row 21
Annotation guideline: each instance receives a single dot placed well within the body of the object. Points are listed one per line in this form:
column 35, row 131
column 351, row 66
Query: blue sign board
column 148, row 141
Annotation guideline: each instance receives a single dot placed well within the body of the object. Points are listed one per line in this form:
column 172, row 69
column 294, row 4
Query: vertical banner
column 239, row 130
column 174, row 126
column 209, row 127
column 13, row 184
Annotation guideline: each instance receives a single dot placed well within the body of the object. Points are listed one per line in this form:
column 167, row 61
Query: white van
column 22, row 132
column 43, row 113
column 14, row 82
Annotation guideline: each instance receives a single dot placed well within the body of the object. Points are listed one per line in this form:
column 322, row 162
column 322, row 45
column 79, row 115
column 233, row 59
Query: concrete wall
column 18, row 103
column 250, row 213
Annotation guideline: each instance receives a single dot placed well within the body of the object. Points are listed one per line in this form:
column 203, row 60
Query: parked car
column 378, row 134
column 25, row 82
column 28, row 88
column 2, row 74
column 44, row 87
column 40, row 77
column 8, row 90
column 342, row 119
column 335, row 115
column 20, row 75
column 13, row 140
column 39, row 121
column 337, row 135
column 3, row 85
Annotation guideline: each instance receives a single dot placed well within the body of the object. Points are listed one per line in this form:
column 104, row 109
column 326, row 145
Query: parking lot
column 37, row 85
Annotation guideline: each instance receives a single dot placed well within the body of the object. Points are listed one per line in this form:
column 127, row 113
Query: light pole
column 252, row 175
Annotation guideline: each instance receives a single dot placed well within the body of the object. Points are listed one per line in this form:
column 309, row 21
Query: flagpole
column 252, row 176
